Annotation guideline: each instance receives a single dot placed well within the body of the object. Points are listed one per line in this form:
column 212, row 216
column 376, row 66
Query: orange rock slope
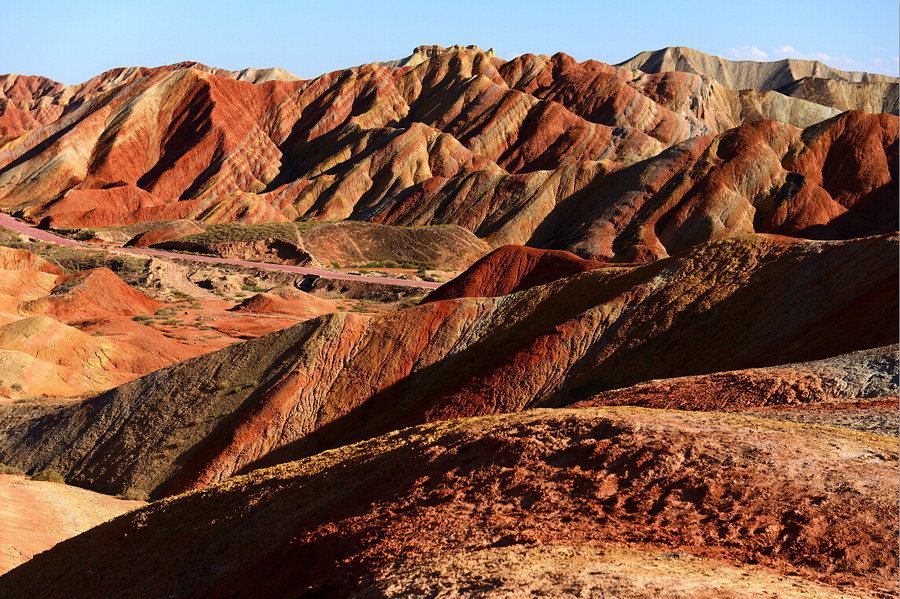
column 347, row 376
column 609, row 163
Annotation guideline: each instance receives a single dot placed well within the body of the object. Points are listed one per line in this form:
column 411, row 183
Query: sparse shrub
column 141, row 318
column 133, row 495
column 16, row 387
column 50, row 476
column 335, row 264
column 4, row 469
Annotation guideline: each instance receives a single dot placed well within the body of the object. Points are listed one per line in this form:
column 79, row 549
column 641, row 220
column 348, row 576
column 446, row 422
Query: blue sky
column 71, row 42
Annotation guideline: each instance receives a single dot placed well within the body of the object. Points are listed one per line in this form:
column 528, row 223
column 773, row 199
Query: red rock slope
column 538, row 151
column 346, row 376
column 816, row 504
column 513, row 268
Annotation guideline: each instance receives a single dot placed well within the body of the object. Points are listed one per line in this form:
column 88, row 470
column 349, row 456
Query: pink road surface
column 41, row 235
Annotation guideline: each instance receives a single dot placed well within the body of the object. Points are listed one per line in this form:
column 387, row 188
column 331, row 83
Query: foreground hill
column 344, row 377
column 633, row 502
column 609, row 163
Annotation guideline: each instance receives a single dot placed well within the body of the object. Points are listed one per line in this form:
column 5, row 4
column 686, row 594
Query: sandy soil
column 35, row 516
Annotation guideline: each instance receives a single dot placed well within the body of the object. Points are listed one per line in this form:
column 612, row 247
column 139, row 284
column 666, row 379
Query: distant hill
column 807, row 79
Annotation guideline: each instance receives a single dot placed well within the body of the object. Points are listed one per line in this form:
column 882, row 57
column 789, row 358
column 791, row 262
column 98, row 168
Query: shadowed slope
column 344, row 376
column 821, row 504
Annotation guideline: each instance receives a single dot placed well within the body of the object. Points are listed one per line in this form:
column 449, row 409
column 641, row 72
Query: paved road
column 11, row 223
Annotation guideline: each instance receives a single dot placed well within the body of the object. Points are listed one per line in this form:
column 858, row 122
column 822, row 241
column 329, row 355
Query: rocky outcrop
column 670, row 497
column 344, row 377
column 422, row 53
column 867, row 374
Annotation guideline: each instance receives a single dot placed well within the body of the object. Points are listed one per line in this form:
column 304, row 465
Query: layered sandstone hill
column 618, row 501
column 807, row 79
column 609, row 163
column 347, row 376
column 27, row 102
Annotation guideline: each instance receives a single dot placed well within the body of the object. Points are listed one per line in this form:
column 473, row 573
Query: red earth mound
column 513, row 268
column 286, row 300
column 92, row 294
column 164, row 232
column 16, row 259
column 815, row 503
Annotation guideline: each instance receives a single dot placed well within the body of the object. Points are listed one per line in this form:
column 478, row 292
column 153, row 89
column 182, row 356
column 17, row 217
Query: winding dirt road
column 41, row 235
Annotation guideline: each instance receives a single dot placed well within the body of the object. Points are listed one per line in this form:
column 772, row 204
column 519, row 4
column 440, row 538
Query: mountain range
column 663, row 361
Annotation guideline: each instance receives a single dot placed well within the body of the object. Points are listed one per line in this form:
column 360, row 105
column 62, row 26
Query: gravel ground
column 879, row 419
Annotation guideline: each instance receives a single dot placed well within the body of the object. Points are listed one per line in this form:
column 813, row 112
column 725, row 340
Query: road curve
column 41, row 235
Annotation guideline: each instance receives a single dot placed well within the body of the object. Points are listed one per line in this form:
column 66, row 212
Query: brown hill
column 807, row 79
column 348, row 243
column 163, row 232
column 538, row 151
column 694, row 491
column 301, row 390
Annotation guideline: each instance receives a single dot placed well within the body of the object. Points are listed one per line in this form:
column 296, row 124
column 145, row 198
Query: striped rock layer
column 610, row 163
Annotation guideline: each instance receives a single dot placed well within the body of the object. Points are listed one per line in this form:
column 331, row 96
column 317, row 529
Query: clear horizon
column 71, row 43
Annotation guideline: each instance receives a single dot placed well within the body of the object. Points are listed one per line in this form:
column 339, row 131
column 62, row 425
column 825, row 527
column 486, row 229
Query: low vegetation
column 230, row 232
column 50, row 476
